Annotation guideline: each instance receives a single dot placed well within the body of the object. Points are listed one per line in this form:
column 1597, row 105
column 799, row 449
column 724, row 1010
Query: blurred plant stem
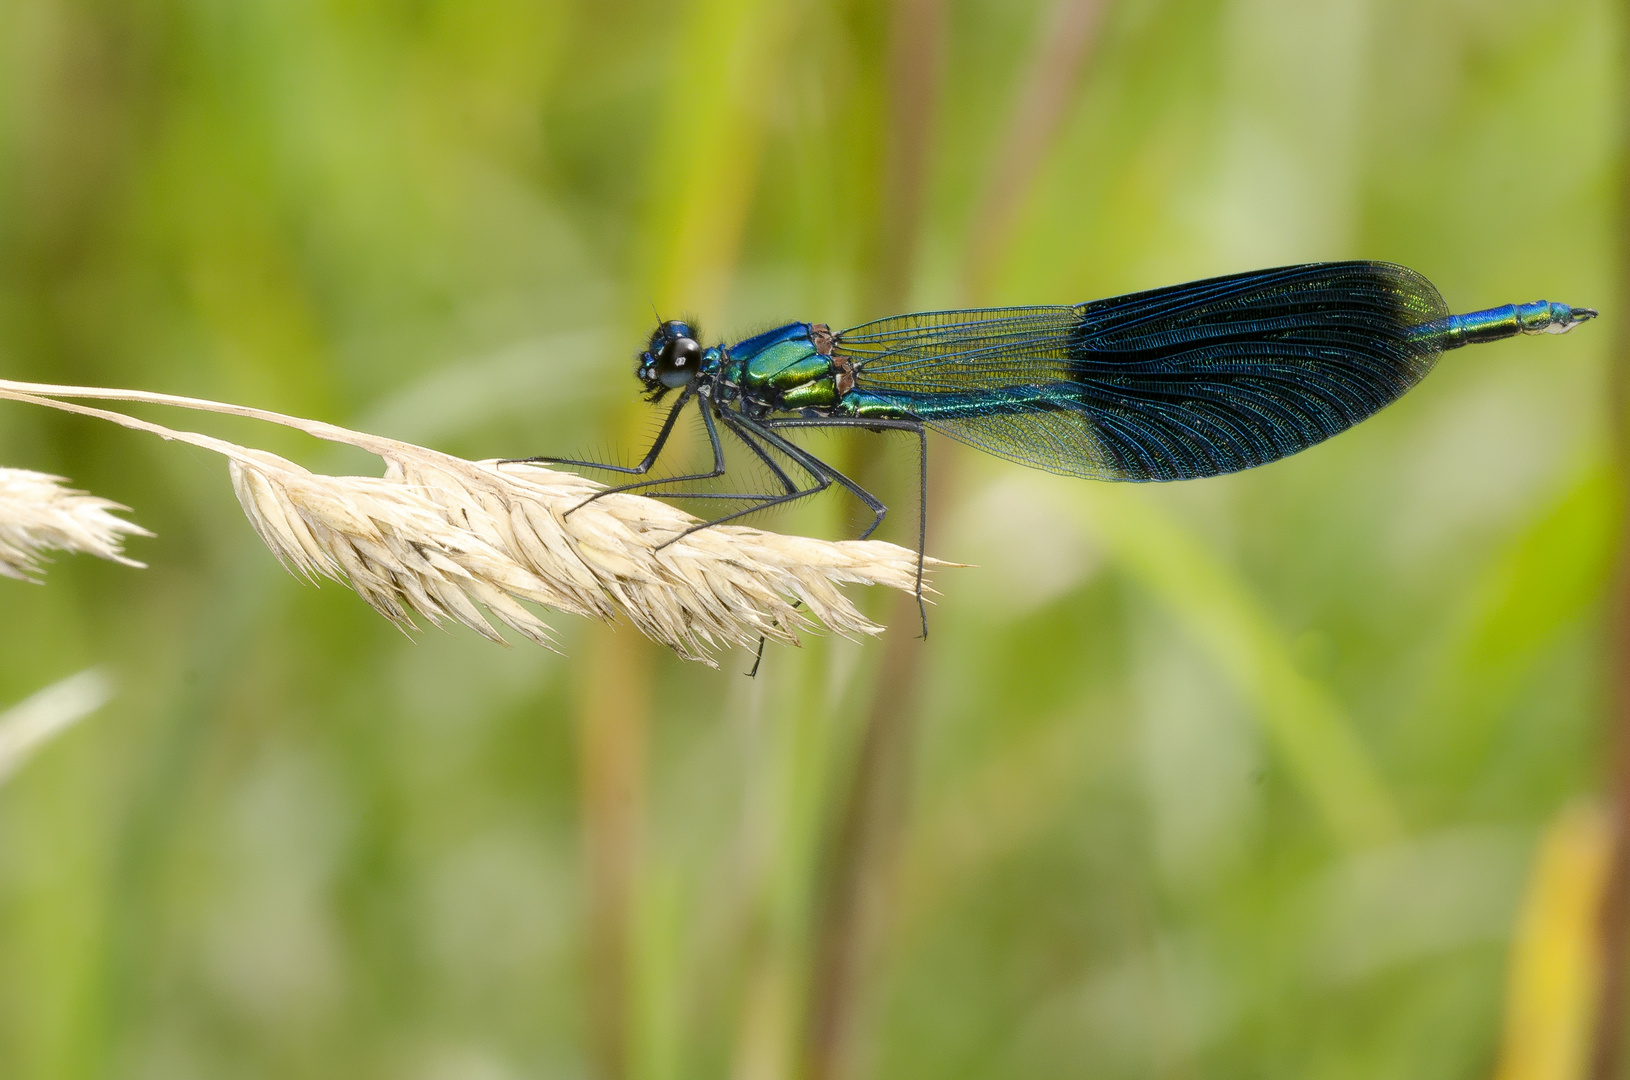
column 916, row 57
column 111, row 1014
column 1554, row 964
column 1608, row 1043
column 1062, row 51
column 856, row 910
column 1304, row 723
column 30, row 724
column 855, row 883
column 692, row 238
column 613, row 708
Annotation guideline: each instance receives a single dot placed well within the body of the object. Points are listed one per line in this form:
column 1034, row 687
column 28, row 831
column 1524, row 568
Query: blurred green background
column 1291, row 773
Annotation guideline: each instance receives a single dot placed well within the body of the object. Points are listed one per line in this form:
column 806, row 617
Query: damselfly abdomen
column 1176, row 383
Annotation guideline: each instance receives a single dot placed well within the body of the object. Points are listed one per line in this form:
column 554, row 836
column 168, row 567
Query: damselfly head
column 671, row 360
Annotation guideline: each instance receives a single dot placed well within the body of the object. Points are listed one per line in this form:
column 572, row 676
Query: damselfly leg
column 882, row 424
column 646, row 462
column 761, row 437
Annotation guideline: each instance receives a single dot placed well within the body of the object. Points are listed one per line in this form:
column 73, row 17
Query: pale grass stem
column 437, row 535
column 39, row 513
column 30, row 724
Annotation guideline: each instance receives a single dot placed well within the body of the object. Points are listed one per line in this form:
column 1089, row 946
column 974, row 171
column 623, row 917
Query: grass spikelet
column 389, row 542
column 39, row 513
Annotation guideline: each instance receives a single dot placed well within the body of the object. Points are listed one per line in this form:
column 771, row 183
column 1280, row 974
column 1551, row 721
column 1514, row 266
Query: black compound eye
column 678, row 361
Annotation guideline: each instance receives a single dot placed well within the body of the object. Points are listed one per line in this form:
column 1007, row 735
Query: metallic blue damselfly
column 1187, row 381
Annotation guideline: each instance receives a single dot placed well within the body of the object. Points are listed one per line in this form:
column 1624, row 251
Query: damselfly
column 1187, row 381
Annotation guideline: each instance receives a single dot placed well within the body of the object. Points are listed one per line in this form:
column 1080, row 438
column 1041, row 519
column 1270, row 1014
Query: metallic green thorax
column 794, row 374
column 788, row 369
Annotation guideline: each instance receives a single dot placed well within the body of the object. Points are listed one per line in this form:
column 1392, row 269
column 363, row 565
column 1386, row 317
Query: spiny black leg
column 751, row 444
column 922, row 521
column 921, row 432
column 821, row 484
column 740, row 496
column 750, row 432
column 717, row 470
column 645, row 464
column 775, row 500
column 871, row 501
column 877, row 424
column 816, row 465
column 758, row 657
column 763, row 455
column 819, row 468
column 818, row 471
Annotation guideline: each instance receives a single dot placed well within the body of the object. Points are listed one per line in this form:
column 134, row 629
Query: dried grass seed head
column 438, row 535
column 39, row 513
